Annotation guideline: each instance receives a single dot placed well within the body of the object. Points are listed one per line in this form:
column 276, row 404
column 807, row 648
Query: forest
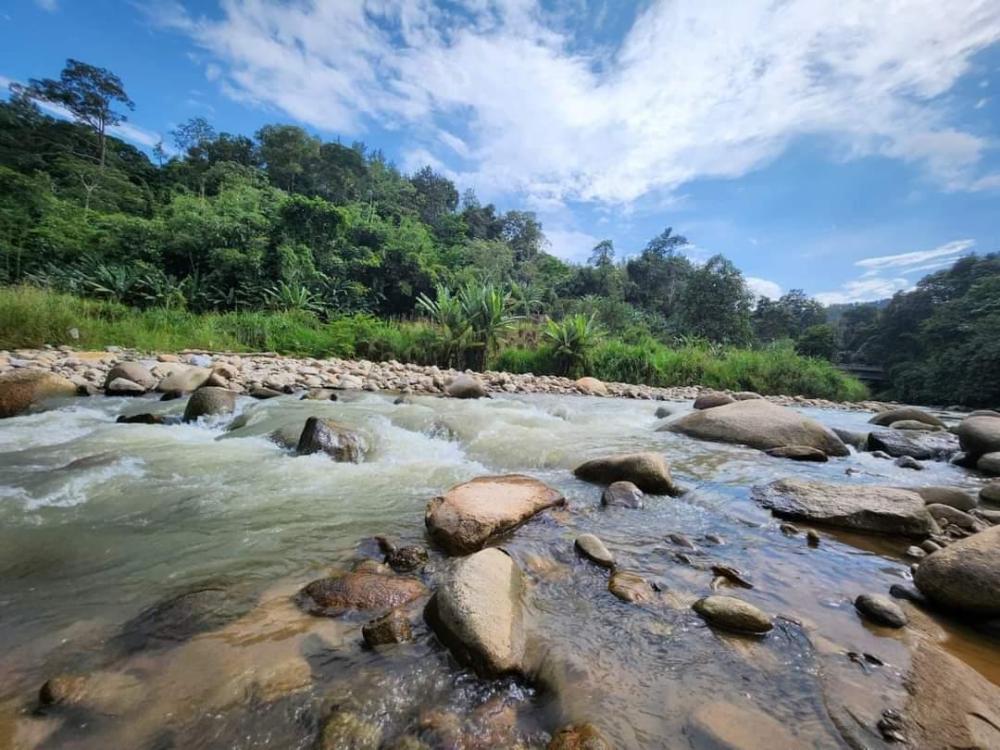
column 284, row 241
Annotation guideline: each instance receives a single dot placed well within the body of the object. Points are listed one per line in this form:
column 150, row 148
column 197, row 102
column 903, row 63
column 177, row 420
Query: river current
column 100, row 521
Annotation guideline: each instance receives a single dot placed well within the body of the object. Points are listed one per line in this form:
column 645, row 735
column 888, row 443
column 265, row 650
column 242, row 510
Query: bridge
column 867, row 374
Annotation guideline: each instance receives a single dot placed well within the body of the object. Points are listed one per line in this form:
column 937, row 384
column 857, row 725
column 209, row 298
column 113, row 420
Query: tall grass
column 32, row 317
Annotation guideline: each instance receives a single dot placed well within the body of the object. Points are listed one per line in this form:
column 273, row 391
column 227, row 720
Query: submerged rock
column 950, row 705
column 759, row 424
column 965, row 575
column 881, row 610
column 478, row 613
column 332, row 438
column 726, row 726
column 907, row 414
column 209, row 401
column 179, row 618
column 346, row 730
column 733, row 614
column 358, row 590
column 23, row 389
column 465, row 386
column 798, row 453
column 145, row 418
column 594, row 550
column 579, row 737
column 649, row 471
column 392, row 627
column 712, row 399
column 630, row 587
column 923, row 446
column 906, row 462
column 883, row 510
column 979, row 435
column 319, row 394
column 622, row 495
column 470, row 515
column 101, row 692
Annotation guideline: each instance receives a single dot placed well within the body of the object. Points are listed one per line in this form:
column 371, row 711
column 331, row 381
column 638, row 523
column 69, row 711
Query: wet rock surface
column 730, row 613
column 622, row 495
column 470, row 515
column 880, row 610
column 478, row 613
column 332, row 438
column 20, row 390
column 358, row 590
column 209, row 401
column 923, row 446
column 650, row 472
column 964, row 577
column 884, row 510
column 759, row 424
column 594, row 550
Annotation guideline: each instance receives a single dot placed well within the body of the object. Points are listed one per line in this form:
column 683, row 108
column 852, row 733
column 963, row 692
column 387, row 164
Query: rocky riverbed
column 227, row 552
column 264, row 373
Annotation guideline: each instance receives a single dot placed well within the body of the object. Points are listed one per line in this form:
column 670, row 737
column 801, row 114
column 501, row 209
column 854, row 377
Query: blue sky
column 844, row 148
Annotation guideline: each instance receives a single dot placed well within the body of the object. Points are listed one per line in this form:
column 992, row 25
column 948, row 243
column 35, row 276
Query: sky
column 846, row 149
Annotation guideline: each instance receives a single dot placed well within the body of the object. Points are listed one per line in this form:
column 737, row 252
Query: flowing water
column 99, row 521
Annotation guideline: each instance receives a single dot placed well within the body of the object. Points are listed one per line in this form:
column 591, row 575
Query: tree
column 436, row 195
column 664, row 244
column 288, row 153
column 715, row 303
column 818, row 341
column 88, row 93
column 603, row 254
column 523, row 232
column 193, row 136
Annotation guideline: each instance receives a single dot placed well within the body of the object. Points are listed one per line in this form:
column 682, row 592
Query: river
column 100, row 521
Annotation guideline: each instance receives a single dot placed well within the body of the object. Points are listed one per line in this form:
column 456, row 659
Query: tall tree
column 88, row 93
column 716, row 303
column 603, row 254
column 192, row 137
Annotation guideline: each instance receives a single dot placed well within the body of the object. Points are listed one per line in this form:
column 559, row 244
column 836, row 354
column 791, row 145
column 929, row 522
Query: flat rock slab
column 478, row 613
column 861, row 507
column 728, row 726
column 358, row 590
column 923, row 446
column 470, row 515
column 759, row 424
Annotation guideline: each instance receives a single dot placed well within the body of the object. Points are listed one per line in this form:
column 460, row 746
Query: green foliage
column 572, row 340
column 818, row 341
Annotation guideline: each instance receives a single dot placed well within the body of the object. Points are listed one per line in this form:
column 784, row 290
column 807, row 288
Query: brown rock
column 591, row 386
column 470, row 515
column 358, row 590
column 24, row 388
column 131, row 371
column 731, row 613
column 712, row 399
column 727, row 726
column 798, row 453
column 905, row 413
column 392, row 627
column 630, row 587
column 965, row 575
column 579, row 737
column 332, row 438
column 649, row 471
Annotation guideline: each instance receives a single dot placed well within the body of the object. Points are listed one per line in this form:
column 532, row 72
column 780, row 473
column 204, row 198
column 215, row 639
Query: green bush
column 33, row 317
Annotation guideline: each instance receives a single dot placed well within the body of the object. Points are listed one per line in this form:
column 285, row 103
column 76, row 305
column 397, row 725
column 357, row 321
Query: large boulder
column 989, row 463
column 465, row 386
column 923, row 446
column 861, row 507
column 649, row 471
column 905, row 413
column 209, row 401
column 358, row 590
column 478, row 613
column 183, row 379
column 332, row 438
column 591, row 386
column 956, row 497
column 965, row 575
column 979, row 435
column 990, row 493
column 759, row 424
column 22, row 389
column 134, row 371
column 470, row 515
column 123, row 387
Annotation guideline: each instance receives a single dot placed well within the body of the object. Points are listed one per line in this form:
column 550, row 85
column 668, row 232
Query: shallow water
column 99, row 520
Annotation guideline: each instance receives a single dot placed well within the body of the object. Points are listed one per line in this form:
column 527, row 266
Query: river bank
column 267, row 372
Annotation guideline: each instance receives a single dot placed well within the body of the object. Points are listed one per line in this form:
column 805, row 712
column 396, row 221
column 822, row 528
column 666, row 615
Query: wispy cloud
column 873, row 284
column 49, row 6
column 693, row 90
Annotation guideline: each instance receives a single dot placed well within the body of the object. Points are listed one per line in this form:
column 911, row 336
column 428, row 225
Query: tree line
column 287, row 221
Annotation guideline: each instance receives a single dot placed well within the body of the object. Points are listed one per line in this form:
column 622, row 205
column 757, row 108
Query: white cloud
column 763, row 287
column 695, row 89
column 570, row 244
column 49, row 6
column 872, row 285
